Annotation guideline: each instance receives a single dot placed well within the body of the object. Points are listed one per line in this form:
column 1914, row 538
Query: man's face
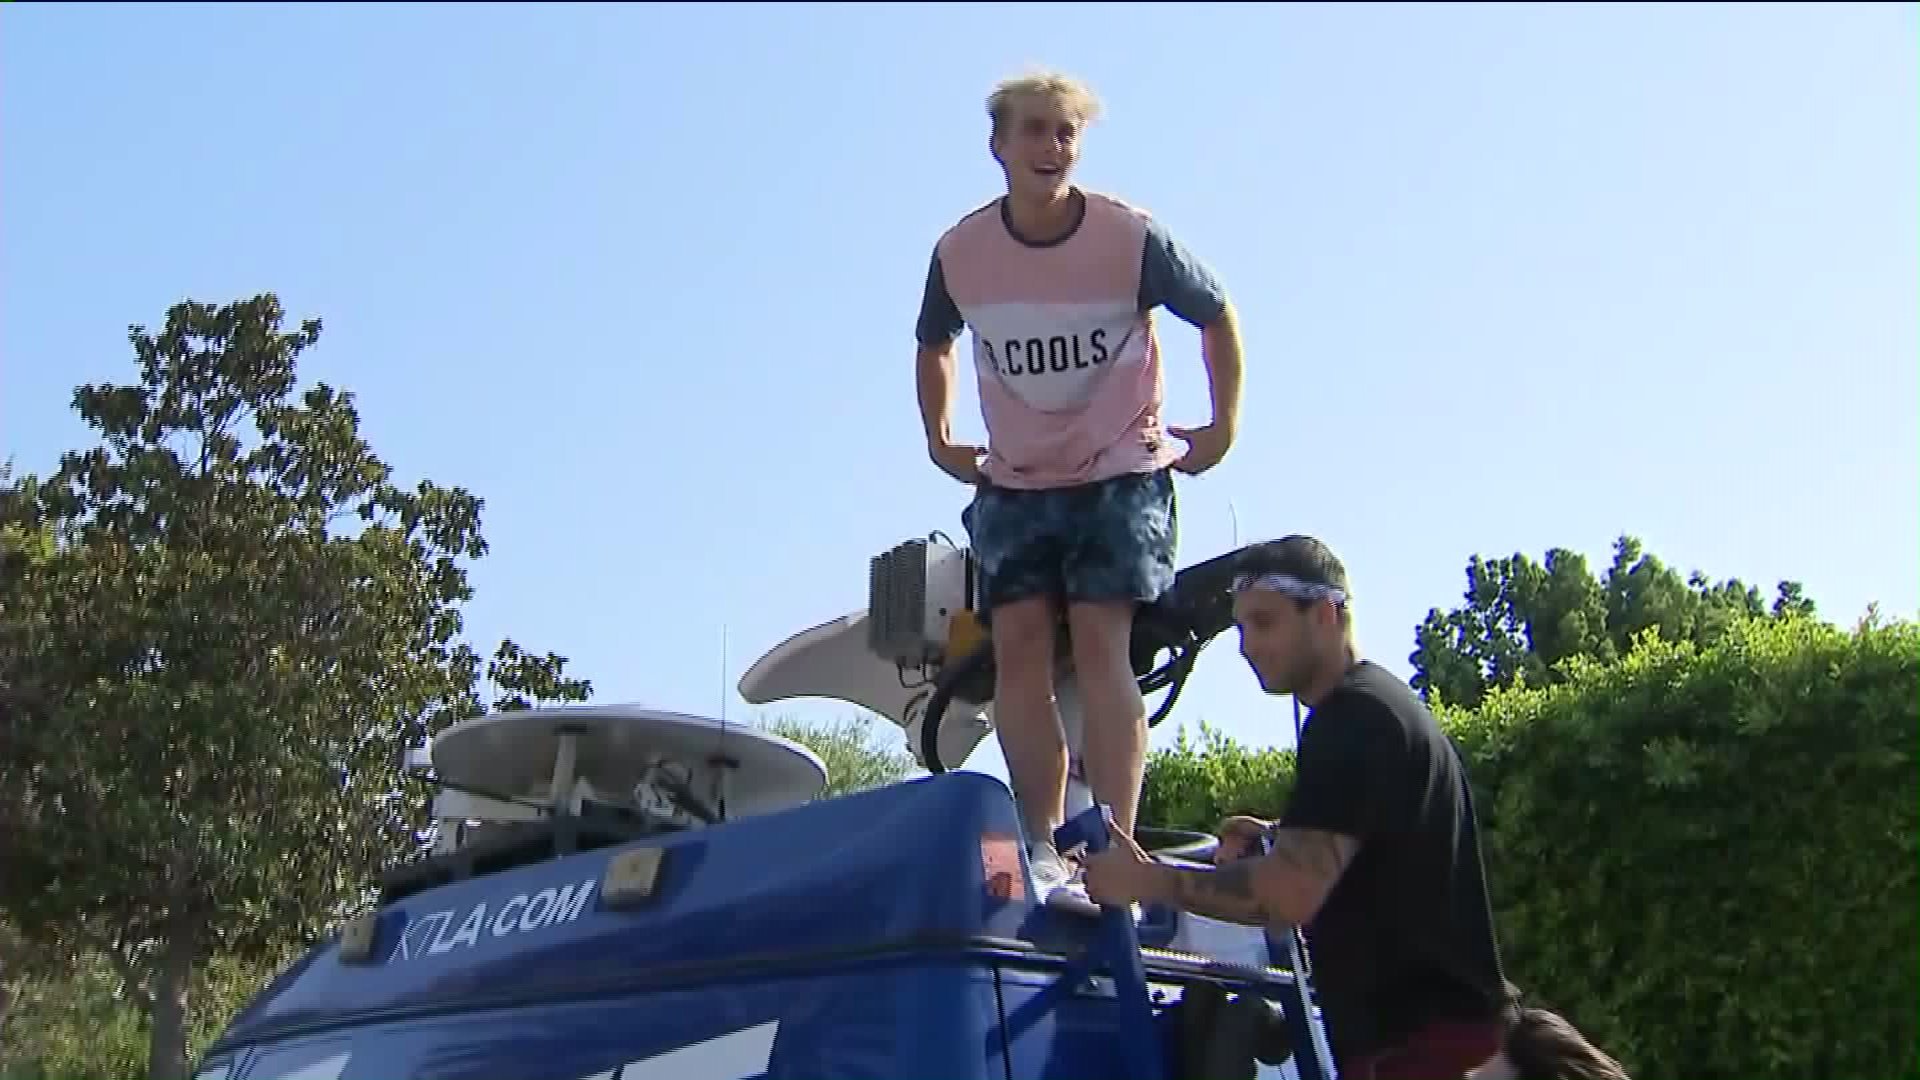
column 1277, row 639
column 1038, row 145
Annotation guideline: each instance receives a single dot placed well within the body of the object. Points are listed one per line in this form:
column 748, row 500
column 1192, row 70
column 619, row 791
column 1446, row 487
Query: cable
column 1194, row 611
column 943, row 686
column 1172, row 675
column 1181, row 667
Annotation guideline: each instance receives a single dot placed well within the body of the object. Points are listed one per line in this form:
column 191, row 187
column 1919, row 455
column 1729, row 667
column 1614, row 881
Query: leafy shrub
column 1709, row 854
column 1193, row 785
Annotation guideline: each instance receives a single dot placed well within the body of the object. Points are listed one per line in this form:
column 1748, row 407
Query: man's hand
column 1238, row 836
column 1122, row 874
column 958, row 460
column 1205, row 447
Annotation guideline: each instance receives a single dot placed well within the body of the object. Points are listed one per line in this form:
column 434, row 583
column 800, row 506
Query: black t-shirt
column 1406, row 936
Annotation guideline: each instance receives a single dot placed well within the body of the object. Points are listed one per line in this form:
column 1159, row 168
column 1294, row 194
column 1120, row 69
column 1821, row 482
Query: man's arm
column 1220, row 350
column 1349, row 776
column 1172, row 277
column 933, row 372
column 1284, row 887
column 939, row 324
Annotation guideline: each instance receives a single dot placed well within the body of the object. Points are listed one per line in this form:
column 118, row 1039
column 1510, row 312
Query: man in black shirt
column 1377, row 855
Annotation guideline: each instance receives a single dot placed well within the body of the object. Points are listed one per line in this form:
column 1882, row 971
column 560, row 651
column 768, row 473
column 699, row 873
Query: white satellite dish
column 529, row 764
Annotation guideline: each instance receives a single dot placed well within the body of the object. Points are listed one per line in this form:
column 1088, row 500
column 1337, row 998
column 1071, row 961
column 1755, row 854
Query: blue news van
column 627, row 894
column 885, row 935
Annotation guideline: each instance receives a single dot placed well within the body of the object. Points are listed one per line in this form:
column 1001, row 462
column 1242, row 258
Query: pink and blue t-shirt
column 1063, row 340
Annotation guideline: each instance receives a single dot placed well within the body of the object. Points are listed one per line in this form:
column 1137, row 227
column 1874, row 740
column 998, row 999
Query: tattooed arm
column 1351, row 781
column 1285, row 886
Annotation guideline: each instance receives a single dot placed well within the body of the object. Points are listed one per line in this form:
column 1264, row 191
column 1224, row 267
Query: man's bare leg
column 1114, row 721
column 1023, row 714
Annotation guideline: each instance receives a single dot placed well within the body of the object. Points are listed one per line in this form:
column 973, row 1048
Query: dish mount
column 628, row 766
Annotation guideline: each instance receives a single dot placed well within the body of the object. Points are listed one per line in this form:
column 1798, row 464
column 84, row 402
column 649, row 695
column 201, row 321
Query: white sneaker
column 1060, row 884
column 1050, row 872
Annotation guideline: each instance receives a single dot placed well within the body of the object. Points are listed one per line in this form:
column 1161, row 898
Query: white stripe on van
column 733, row 1056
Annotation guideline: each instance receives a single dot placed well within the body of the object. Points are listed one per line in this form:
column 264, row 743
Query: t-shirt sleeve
column 940, row 320
column 1347, row 775
column 1170, row 275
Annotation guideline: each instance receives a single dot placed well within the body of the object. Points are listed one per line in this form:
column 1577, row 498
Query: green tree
column 855, row 757
column 1522, row 619
column 223, row 623
column 69, row 1021
column 72, row 1019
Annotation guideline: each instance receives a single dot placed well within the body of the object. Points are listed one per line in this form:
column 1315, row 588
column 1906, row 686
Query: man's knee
column 1102, row 635
column 1023, row 639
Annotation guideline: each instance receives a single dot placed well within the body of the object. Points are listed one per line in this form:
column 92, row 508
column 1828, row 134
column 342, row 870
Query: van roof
column 932, row 863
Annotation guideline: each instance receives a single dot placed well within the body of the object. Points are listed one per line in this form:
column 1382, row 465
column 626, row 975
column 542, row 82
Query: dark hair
column 1299, row 556
column 1543, row 1045
column 1303, row 557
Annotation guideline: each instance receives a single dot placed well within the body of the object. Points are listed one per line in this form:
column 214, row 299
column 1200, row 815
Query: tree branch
column 132, row 982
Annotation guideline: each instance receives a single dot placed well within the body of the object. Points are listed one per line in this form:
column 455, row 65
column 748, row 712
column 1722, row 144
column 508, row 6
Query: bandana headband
column 1288, row 585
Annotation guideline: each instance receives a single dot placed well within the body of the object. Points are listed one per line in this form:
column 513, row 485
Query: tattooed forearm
column 1285, row 886
column 1228, row 893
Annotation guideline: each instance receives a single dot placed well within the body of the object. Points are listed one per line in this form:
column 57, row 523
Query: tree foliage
column 1193, row 784
column 1710, row 851
column 1522, row 619
column 71, row 1018
column 222, row 624
column 855, row 758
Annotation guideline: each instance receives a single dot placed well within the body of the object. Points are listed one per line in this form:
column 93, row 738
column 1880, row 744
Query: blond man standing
column 1073, row 511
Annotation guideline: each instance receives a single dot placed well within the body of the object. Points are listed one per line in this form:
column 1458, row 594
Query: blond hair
column 1070, row 93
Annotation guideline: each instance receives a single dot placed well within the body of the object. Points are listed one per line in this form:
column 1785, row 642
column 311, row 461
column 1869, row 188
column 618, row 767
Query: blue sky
column 644, row 279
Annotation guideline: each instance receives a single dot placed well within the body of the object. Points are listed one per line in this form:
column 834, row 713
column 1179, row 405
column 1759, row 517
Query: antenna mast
column 721, row 760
